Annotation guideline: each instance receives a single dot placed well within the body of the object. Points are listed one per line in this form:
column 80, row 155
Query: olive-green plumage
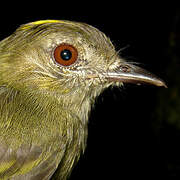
column 44, row 105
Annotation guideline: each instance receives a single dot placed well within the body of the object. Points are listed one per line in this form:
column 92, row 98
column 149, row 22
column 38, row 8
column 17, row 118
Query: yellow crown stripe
column 27, row 26
column 46, row 21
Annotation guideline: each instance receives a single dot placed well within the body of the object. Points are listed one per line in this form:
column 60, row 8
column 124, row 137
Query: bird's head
column 63, row 58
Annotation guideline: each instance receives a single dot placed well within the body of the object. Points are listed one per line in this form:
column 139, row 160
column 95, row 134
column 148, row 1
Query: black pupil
column 66, row 54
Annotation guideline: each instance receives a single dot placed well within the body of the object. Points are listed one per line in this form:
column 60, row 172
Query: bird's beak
column 128, row 73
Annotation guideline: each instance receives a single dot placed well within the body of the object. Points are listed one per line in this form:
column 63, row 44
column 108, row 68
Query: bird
column 51, row 71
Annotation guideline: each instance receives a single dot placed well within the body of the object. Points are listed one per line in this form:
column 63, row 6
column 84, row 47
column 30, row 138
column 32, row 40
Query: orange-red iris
column 65, row 54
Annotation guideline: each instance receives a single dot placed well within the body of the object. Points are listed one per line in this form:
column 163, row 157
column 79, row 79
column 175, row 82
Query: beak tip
column 159, row 82
column 163, row 84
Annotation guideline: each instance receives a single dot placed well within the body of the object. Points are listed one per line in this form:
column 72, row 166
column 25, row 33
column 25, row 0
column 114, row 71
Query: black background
column 126, row 135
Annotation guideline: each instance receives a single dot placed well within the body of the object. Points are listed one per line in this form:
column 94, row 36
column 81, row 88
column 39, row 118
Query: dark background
column 134, row 131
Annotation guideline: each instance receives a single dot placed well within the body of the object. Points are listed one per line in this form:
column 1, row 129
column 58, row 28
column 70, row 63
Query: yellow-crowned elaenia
column 50, row 73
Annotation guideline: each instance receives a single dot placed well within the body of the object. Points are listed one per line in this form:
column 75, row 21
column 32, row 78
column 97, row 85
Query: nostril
column 124, row 68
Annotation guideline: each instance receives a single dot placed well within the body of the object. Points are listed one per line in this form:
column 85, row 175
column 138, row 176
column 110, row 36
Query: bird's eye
column 65, row 54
